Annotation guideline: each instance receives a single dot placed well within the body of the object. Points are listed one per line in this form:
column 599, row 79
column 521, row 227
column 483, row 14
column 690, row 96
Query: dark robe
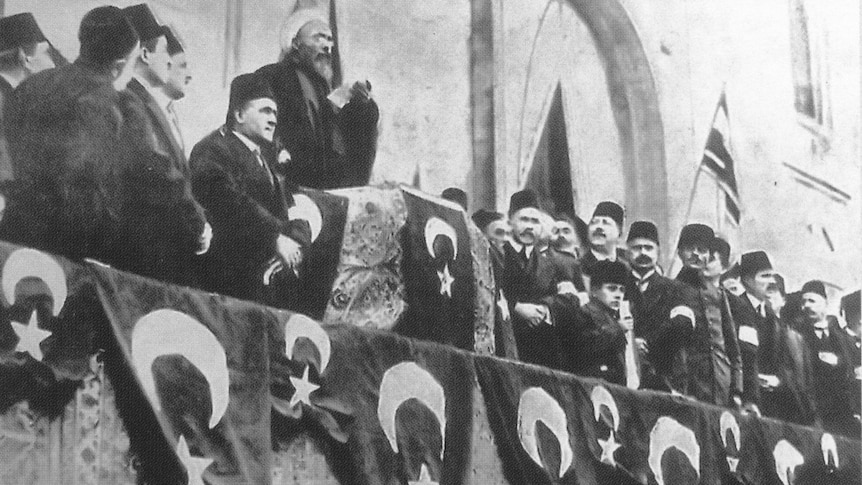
column 328, row 148
column 596, row 343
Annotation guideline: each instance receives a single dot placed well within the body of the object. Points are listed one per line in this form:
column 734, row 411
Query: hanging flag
column 405, row 407
column 326, row 215
column 718, row 161
column 194, row 370
column 437, row 268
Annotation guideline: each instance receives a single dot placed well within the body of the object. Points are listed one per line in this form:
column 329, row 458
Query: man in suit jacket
column 161, row 252
column 832, row 364
column 775, row 377
column 652, row 297
column 325, row 147
column 531, row 282
column 233, row 179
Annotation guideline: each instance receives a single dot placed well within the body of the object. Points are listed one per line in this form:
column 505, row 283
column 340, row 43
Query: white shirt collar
column 754, row 301
column 254, row 147
column 517, row 246
column 604, row 257
column 645, row 277
column 161, row 98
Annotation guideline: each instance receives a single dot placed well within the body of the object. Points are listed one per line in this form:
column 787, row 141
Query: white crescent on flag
column 30, row 263
column 305, row 208
column 537, row 405
column 728, row 422
column 299, row 325
column 600, row 396
column 668, row 433
column 404, row 381
column 169, row 332
column 438, row 227
column 787, row 460
column 829, row 449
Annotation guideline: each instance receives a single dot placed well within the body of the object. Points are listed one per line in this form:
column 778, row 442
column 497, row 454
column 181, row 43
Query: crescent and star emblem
column 435, row 227
column 728, row 422
column 305, row 208
column 668, row 433
column 537, row 405
column 404, row 381
column 787, row 460
column 29, row 263
column 600, row 396
column 169, row 332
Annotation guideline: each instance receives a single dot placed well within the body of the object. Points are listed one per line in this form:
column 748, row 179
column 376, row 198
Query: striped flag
column 717, row 160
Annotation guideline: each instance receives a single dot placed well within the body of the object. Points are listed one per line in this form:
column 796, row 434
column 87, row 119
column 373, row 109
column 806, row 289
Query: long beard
column 323, row 66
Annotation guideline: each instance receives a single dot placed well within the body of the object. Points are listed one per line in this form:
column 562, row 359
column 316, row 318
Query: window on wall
column 810, row 70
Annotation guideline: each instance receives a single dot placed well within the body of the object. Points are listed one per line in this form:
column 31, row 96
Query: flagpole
column 699, row 169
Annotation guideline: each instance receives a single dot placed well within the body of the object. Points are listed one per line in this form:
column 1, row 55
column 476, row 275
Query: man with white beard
column 322, row 143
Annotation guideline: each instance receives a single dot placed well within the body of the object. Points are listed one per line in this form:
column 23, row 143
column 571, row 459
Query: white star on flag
column 195, row 466
column 303, row 391
column 446, row 281
column 609, row 446
column 30, row 336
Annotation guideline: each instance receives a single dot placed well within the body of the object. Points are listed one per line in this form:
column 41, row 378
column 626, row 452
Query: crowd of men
column 94, row 161
column 583, row 300
column 98, row 170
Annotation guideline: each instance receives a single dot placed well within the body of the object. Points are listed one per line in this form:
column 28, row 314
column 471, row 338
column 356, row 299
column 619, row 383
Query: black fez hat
column 144, row 21
column 608, row 272
column 610, row 209
column 850, row 307
column 814, row 286
column 19, row 30
column 522, row 199
column 455, row 195
column 483, row 217
column 722, row 247
column 643, row 229
column 106, row 35
column 751, row 263
column 693, row 234
column 247, row 87
column 175, row 44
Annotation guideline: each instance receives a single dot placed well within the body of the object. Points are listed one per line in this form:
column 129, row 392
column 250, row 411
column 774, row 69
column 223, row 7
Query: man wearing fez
column 594, row 335
column 771, row 349
column 24, row 51
column 832, row 356
column 62, row 127
column 496, row 229
column 652, row 298
column 233, row 178
column 605, row 229
column 322, row 143
column 693, row 250
column 708, row 365
column 531, row 280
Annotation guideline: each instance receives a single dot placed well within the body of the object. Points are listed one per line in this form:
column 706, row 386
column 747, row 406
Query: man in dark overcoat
column 321, row 145
column 531, row 282
column 233, row 178
column 833, row 354
column 66, row 135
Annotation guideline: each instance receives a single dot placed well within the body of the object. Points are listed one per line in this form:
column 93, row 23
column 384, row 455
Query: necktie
column 523, row 254
column 822, row 332
column 761, row 309
column 263, row 165
column 175, row 126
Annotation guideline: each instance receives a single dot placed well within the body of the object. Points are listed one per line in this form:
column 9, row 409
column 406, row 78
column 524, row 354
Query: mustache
column 599, row 232
column 643, row 259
